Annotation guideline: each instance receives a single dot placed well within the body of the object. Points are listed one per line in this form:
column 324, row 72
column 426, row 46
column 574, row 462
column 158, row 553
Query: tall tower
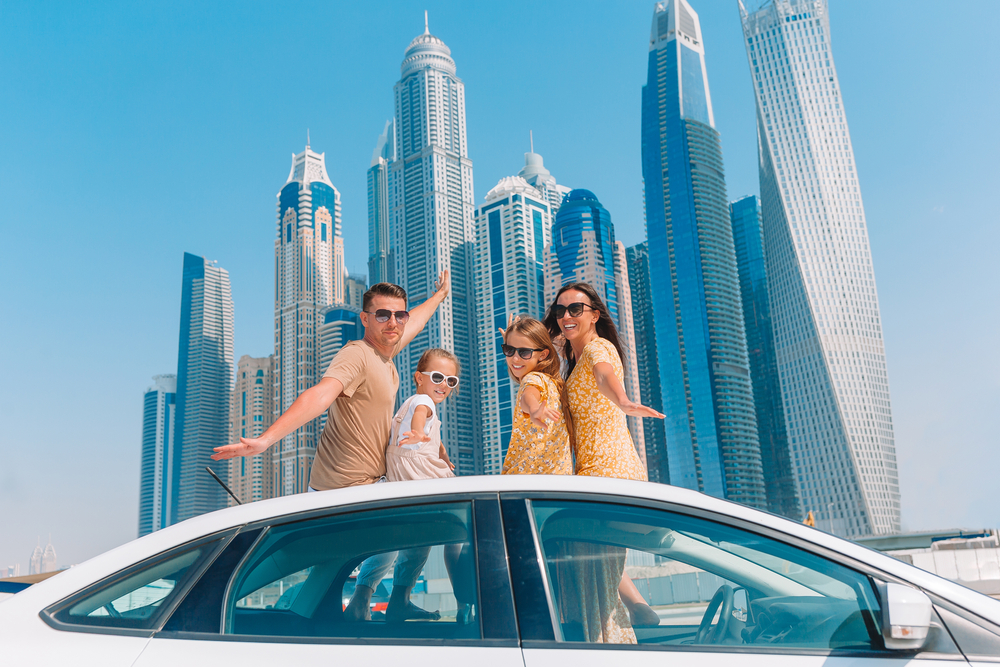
column 538, row 177
column 380, row 262
column 204, row 380
column 775, row 455
column 513, row 226
column 432, row 225
column 309, row 275
column 710, row 426
column 158, row 424
column 251, row 412
column 584, row 249
column 824, row 304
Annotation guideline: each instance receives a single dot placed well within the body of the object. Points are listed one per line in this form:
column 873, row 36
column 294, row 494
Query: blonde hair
column 551, row 365
column 438, row 353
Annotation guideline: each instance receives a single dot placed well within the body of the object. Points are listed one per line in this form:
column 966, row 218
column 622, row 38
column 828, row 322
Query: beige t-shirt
column 352, row 446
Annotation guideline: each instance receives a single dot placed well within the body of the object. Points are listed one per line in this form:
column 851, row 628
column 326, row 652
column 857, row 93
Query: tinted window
column 707, row 583
column 301, row 578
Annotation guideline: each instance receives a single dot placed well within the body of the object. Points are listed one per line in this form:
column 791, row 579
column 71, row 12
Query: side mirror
column 906, row 616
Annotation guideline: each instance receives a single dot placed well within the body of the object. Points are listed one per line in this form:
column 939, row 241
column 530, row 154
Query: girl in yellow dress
column 540, row 437
column 604, row 448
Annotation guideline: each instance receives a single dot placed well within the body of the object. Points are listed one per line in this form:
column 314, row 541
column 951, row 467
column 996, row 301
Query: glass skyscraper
column 584, row 249
column 710, row 425
column 158, row 423
column 309, row 275
column 513, row 226
column 431, row 219
column 204, row 380
column 824, row 304
column 251, row 412
column 779, row 477
column 380, row 262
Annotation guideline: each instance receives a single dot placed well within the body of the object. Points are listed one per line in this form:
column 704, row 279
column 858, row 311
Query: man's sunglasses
column 437, row 377
column 383, row 315
column 523, row 352
column 574, row 309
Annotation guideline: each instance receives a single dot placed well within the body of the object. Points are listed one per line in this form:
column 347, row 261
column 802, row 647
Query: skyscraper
column 824, row 304
column 637, row 259
column 584, row 249
column 251, row 412
column 710, row 426
column 340, row 325
column 380, row 261
column 779, row 477
column 158, row 424
column 538, row 177
column 513, row 226
column 431, row 221
column 309, row 275
column 355, row 287
column 204, row 380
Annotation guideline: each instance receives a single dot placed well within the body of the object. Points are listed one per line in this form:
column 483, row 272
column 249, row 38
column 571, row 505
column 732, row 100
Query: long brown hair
column 605, row 326
column 536, row 332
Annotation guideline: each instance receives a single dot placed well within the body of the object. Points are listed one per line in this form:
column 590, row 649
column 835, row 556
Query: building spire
column 427, row 30
column 531, row 139
column 307, row 137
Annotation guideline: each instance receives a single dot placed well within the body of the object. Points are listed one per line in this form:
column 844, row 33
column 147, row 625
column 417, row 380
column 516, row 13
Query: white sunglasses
column 437, row 377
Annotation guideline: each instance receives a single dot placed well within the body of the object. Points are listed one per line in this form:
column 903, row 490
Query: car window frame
column 224, row 537
column 482, row 498
column 869, row 572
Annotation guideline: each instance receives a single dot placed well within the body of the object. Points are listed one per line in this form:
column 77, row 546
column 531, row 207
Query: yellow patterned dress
column 589, row 577
column 534, row 450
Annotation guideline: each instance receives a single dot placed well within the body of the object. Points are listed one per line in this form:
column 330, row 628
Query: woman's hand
column 542, row 415
column 633, row 409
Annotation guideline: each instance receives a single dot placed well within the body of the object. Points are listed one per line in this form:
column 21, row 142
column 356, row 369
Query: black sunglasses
column 437, row 377
column 523, row 352
column 574, row 309
column 383, row 315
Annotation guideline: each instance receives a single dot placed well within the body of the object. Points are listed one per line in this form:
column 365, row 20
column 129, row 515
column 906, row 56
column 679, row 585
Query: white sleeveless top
column 418, row 461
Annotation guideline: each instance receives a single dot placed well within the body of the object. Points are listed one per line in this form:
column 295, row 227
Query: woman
column 604, row 448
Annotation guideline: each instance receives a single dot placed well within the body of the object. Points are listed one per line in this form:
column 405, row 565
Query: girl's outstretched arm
column 416, row 434
column 539, row 411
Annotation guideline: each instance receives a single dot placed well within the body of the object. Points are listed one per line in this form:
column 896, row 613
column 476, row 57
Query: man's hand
column 443, row 284
column 245, row 447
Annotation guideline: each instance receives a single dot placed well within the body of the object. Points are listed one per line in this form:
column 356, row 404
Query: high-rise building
column 204, row 380
column 355, row 287
column 158, row 425
column 513, row 226
column 431, row 220
column 584, row 249
column 251, row 413
column 340, row 325
column 710, row 426
column 49, row 563
column 380, row 261
column 637, row 259
column 309, row 275
column 10, row 571
column 538, row 177
column 35, row 562
column 824, row 304
column 775, row 456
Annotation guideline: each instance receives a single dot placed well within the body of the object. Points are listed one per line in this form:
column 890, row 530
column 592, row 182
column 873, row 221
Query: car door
column 725, row 593
column 279, row 594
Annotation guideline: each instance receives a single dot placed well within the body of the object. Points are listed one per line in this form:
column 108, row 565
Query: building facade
column 775, row 456
column 159, row 403
column 431, row 220
column 637, row 260
column 513, row 226
column 538, row 177
column 584, row 249
column 355, row 287
column 380, row 262
column 309, row 275
column 251, row 412
column 710, row 426
column 204, row 380
column 824, row 303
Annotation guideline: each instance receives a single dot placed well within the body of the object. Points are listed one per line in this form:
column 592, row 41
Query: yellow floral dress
column 589, row 577
column 534, row 450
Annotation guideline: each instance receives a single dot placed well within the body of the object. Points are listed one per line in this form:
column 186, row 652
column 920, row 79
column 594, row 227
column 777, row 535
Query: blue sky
column 133, row 132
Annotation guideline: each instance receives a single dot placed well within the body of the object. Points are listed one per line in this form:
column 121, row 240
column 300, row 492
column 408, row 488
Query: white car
column 264, row 584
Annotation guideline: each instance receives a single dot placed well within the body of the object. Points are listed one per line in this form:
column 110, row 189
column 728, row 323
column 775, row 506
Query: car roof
column 224, row 519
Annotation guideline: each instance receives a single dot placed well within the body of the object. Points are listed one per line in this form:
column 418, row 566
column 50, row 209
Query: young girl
column 540, row 437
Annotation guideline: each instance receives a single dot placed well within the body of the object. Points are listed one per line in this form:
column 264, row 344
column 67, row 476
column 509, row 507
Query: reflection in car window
column 393, row 573
column 134, row 599
column 709, row 584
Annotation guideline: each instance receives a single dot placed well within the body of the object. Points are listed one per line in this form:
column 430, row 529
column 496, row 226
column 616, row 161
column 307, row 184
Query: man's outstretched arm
column 310, row 404
column 421, row 315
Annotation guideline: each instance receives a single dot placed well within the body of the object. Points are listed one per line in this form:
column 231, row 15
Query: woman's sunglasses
column 437, row 377
column 383, row 315
column 523, row 352
column 574, row 309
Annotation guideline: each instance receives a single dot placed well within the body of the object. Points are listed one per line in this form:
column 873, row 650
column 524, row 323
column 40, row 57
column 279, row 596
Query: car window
column 135, row 598
column 705, row 583
column 392, row 573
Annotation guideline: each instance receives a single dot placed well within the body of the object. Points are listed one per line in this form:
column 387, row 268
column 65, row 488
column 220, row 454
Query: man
column 358, row 392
